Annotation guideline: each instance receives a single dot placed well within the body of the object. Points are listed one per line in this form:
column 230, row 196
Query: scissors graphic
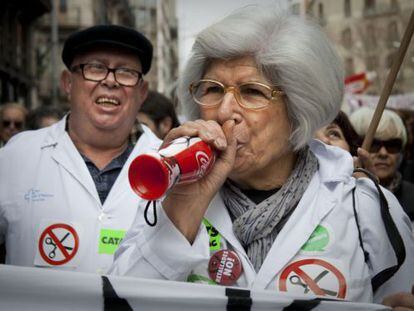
column 49, row 241
column 296, row 280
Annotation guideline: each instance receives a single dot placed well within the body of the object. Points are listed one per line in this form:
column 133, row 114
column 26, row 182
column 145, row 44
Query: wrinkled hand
column 364, row 161
column 400, row 301
column 186, row 204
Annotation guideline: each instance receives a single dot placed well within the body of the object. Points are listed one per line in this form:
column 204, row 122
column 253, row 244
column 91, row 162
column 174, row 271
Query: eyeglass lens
column 17, row 124
column 392, row 145
column 250, row 94
column 98, row 72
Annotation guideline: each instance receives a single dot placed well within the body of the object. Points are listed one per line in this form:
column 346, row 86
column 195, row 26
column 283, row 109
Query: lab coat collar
column 335, row 164
column 65, row 153
column 323, row 194
column 147, row 142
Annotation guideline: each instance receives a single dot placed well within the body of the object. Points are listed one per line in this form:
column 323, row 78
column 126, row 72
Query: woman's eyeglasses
column 250, row 95
column 17, row 124
column 392, row 145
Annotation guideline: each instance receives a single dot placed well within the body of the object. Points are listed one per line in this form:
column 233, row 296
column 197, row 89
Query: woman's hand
column 363, row 161
column 400, row 301
column 186, row 204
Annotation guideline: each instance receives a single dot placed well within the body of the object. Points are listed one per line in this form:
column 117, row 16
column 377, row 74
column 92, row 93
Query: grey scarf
column 257, row 226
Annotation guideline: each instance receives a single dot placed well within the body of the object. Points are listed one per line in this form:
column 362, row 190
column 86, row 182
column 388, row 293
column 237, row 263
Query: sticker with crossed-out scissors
column 58, row 244
column 315, row 276
column 294, row 279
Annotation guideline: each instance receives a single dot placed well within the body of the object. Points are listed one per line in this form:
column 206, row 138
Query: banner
column 24, row 288
column 355, row 101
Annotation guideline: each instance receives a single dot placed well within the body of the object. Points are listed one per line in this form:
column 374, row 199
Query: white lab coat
column 46, row 188
column 163, row 252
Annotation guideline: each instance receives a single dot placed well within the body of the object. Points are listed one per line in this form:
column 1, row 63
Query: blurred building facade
column 155, row 18
column 17, row 45
column 367, row 34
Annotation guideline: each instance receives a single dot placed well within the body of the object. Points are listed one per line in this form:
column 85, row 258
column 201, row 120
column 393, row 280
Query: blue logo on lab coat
column 36, row 195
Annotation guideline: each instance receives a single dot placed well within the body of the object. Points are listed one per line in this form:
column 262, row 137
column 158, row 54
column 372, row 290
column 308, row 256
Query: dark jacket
column 405, row 194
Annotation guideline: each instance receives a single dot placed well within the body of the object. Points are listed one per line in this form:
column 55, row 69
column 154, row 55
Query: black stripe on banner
column 303, row 305
column 111, row 300
column 238, row 299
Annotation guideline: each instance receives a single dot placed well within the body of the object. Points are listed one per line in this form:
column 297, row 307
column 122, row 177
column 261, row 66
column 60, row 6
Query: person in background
column 340, row 133
column 65, row 199
column 386, row 153
column 12, row 121
column 43, row 116
column 158, row 113
column 407, row 167
column 257, row 86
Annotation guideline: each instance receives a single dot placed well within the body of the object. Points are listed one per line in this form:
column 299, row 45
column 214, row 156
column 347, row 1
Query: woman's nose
column 229, row 109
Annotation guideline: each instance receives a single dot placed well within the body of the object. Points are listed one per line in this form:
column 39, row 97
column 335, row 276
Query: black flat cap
column 112, row 36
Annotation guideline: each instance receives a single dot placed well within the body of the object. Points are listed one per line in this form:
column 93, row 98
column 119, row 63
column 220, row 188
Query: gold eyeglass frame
column 236, row 93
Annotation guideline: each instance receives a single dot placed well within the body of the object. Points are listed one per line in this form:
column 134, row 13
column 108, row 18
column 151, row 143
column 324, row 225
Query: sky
column 195, row 15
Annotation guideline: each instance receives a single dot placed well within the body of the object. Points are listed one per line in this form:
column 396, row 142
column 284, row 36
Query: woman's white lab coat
column 316, row 253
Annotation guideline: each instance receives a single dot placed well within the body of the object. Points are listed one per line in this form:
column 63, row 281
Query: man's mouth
column 108, row 101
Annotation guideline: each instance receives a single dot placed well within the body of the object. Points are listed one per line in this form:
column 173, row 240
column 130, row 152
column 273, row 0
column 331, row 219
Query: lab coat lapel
column 146, row 143
column 65, row 154
column 218, row 215
column 296, row 231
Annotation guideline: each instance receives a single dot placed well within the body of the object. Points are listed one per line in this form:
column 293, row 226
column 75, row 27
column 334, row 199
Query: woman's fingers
column 399, row 301
column 208, row 131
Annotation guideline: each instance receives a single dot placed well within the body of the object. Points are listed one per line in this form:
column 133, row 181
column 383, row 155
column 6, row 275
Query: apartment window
column 371, row 39
column 369, row 4
column 63, row 5
column 393, row 37
column 371, row 63
column 395, row 6
column 369, row 7
column 346, row 38
column 347, row 8
column 320, row 10
column 349, row 67
column 389, row 60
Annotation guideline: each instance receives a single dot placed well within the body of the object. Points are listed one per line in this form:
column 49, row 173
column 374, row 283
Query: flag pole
column 389, row 83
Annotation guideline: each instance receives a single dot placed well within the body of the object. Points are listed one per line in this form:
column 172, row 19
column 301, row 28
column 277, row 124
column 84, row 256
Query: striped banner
column 23, row 288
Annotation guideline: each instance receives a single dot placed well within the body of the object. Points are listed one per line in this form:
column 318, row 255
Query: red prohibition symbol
column 297, row 276
column 67, row 246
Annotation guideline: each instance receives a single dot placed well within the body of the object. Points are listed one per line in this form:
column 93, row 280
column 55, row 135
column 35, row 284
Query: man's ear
column 143, row 92
column 164, row 126
column 66, row 82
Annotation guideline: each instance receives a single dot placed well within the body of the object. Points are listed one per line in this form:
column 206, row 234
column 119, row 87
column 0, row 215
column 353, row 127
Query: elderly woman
column 387, row 153
column 275, row 212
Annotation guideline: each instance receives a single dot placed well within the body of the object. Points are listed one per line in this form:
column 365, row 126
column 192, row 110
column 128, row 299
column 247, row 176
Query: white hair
column 291, row 52
column 391, row 125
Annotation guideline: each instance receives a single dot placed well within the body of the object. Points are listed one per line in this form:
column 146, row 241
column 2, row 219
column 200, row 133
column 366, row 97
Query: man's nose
column 110, row 80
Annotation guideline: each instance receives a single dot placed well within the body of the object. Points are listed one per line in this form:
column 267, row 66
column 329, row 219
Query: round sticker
column 58, row 244
column 318, row 240
column 225, row 267
column 313, row 275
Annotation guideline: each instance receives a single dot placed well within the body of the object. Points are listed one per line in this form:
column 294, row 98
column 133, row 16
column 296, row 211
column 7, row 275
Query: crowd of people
column 259, row 87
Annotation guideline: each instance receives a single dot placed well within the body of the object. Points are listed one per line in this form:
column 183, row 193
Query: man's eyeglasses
column 99, row 72
column 392, row 145
column 17, row 124
column 250, row 95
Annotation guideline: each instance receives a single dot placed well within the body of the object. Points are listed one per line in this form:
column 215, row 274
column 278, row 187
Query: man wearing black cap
column 65, row 199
